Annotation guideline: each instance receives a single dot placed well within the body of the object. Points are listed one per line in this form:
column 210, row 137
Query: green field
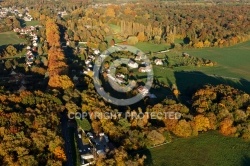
column 10, row 38
column 115, row 28
column 32, row 23
column 207, row 149
column 233, row 68
column 232, row 61
column 147, row 47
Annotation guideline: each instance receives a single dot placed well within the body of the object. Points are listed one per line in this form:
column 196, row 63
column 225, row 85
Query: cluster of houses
column 23, row 13
column 19, row 79
column 3, row 12
column 118, row 77
column 32, row 49
column 89, row 62
column 91, row 146
column 28, row 30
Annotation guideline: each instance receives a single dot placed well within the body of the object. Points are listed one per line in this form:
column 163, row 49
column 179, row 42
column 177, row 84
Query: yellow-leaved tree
column 60, row 81
column 202, row 123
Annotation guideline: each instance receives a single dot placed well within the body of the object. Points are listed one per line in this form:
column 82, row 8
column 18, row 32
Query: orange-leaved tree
column 60, row 81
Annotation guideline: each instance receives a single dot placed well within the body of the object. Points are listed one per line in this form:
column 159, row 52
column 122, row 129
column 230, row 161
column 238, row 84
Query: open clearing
column 115, row 28
column 10, row 38
column 233, row 68
column 147, row 47
column 32, row 23
column 207, row 149
column 233, row 61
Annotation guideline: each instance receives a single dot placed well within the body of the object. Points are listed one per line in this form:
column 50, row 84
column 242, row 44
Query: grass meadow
column 207, row 149
column 32, row 23
column 147, row 47
column 10, row 38
column 232, row 61
column 233, row 68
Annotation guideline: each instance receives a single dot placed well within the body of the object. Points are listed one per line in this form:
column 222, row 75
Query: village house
column 132, row 64
column 119, row 75
column 27, row 18
column 62, row 14
column 85, row 148
column 22, row 88
column 145, row 69
column 140, row 56
column 91, row 146
column 103, row 56
column 15, row 77
column 92, row 57
column 142, row 90
column 184, row 54
column 88, row 61
column 120, row 80
column 158, row 62
column 96, row 52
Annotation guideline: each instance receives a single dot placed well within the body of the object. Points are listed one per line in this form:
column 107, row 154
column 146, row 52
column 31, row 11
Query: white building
column 87, row 156
column 132, row 64
column 145, row 69
column 119, row 75
column 158, row 62
column 28, row 18
column 96, row 52
column 87, row 61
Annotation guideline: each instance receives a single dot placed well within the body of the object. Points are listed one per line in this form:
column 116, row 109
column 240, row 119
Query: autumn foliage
column 29, row 128
column 226, row 127
column 60, row 81
column 57, row 66
column 59, row 153
column 52, row 33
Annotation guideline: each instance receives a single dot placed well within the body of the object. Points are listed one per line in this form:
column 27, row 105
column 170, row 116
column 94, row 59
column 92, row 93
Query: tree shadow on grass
column 189, row 82
column 245, row 161
column 22, row 22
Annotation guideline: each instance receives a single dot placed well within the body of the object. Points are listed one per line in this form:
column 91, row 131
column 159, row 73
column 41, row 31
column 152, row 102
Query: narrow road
column 66, row 127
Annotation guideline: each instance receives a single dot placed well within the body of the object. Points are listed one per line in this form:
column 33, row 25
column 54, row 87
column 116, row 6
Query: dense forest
column 29, row 129
column 197, row 25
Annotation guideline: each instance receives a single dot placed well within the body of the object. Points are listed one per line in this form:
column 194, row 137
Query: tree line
column 57, row 67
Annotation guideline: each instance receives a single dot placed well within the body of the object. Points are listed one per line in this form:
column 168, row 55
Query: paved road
column 66, row 127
